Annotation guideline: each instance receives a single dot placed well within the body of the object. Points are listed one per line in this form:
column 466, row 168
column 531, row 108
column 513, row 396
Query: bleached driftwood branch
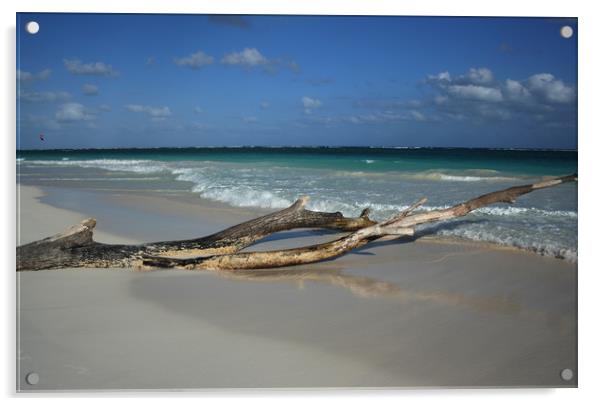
column 76, row 248
column 402, row 224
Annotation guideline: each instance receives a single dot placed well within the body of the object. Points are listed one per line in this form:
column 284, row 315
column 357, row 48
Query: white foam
column 246, row 197
column 276, row 188
column 442, row 176
column 125, row 165
column 477, row 175
column 89, row 179
column 547, row 248
column 492, row 210
column 527, row 211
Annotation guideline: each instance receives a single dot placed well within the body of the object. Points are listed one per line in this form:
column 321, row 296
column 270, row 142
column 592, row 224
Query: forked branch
column 76, row 247
column 402, row 224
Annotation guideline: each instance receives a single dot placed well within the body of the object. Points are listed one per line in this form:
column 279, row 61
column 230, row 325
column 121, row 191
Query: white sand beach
column 422, row 313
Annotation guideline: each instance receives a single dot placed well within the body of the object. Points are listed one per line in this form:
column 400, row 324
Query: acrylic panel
column 282, row 201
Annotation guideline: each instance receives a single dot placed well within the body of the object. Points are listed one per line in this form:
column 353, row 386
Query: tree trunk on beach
column 76, row 248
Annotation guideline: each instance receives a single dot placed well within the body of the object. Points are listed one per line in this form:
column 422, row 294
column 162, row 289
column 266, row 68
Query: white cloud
column 195, row 60
column 71, row 112
column 479, row 85
column 264, row 105
column 252, row 58
column 43, row 97
column 248, row 57
column 475, row 92
column 550, row 88
column 104, row 107
column 478, row 95
column 384, row 116
column 442, row 77
column 89, row 89
column 515, row 91
column 197, row 109
column 250, row 119
column 28, row 77
column 390, row 115
column 439, row 99
column 155, row 113
column 480, row 76
column 418, row 116
column 360, row 118
column 77, row 67
column 310, row 104
column 475, row 76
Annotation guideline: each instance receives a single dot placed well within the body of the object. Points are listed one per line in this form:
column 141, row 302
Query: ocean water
column 349, row 179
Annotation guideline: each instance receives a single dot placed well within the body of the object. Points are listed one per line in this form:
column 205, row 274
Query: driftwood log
column 75, row 248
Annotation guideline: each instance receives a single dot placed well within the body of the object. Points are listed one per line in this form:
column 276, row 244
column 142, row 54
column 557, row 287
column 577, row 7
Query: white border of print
column 589, row 196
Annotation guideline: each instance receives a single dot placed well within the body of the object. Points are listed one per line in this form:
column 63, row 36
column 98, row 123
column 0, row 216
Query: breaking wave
column 539, row 226
column 442, row 176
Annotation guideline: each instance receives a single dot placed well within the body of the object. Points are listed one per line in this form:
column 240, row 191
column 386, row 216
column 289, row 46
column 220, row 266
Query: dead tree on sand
column 75, row 247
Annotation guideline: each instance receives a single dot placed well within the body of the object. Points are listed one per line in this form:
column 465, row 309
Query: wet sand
column 392, row 314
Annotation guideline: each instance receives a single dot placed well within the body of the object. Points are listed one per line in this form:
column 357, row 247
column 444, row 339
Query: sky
column 120, row 81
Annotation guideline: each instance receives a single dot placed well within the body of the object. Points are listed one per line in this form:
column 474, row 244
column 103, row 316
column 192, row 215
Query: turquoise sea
column 349, row 179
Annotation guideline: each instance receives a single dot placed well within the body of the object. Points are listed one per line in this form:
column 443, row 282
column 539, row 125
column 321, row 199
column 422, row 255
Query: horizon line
column 297, row 147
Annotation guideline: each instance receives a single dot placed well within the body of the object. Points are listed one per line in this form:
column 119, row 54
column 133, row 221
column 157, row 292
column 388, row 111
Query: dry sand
column 425, row 313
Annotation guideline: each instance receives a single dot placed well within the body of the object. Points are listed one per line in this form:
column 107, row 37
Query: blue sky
column 102, row 80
